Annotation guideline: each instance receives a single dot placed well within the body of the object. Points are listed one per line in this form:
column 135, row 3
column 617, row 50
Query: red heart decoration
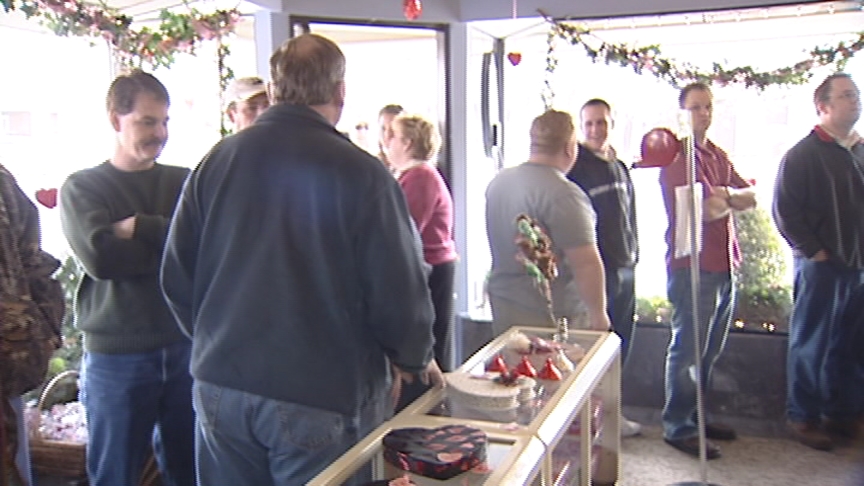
column 47, row 197
column 515, row 58
column 412, row 9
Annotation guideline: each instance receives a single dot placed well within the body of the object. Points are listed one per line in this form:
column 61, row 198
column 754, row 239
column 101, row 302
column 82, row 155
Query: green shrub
column 69, row 275
column 764, row 297
column 653, row 310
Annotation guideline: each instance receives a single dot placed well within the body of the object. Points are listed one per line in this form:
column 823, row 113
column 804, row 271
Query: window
column 17, row 123
column 755, row 128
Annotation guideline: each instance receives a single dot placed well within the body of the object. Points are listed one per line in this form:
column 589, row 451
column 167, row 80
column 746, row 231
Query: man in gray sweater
column 135, row 385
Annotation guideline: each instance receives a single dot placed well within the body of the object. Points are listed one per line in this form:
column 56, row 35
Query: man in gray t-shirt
column 539, row 189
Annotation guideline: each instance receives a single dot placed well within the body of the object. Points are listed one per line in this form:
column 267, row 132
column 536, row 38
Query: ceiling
column 450, row 10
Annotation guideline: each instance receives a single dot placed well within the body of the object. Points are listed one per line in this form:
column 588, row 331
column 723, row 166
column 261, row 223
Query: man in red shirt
column 723, row 191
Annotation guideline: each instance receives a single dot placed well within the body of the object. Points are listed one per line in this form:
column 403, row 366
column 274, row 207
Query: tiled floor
column 749, row 461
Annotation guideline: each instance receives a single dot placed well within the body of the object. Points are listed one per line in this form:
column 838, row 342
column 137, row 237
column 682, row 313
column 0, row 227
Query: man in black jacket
column 293, row 264
column 818, row 198
column 606, row 181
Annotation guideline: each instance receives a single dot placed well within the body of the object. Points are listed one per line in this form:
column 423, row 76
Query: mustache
column 155, row 141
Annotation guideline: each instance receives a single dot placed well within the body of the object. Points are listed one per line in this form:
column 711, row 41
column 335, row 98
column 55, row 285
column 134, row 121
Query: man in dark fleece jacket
column 818, row 201
column 293, row 264
column 135, row 372
column 606, row 181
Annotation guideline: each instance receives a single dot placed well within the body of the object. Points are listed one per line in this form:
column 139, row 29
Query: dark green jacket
column 119, row 305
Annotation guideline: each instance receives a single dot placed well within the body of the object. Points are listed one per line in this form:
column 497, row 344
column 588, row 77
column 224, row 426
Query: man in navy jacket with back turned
column 293, row 264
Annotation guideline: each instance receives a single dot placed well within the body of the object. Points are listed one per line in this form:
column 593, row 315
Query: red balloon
column 412, row 9
column 659, row 148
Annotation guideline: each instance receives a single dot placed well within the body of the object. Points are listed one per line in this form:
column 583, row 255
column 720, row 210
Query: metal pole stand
column 686, row 122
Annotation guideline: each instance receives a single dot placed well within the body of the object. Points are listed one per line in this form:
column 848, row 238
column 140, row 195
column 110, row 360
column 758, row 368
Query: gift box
column 440, row 453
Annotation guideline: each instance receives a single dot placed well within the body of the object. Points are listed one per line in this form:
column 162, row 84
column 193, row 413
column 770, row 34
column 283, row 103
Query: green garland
column 649, row 59
column 226, row 74
column 176, row 33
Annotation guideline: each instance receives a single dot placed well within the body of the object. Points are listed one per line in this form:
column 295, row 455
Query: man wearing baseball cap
column 246, row 99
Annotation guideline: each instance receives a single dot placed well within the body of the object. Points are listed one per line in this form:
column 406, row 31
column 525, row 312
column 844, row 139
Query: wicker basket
column 56, row 457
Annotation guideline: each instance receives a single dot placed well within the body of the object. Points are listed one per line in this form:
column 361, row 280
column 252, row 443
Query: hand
column 432, row 374
column 600, row 323
column 741, row 199
column 719, row 191
column 716, row 205
column 820, row 256
column 125, row 228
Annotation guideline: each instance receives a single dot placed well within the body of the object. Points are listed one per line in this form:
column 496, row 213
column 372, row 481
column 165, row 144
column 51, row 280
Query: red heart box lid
column 440, row 453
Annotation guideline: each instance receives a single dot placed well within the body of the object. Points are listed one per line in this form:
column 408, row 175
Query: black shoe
column 811, row 435
column 847, row 428
column 718, row 431
column 690, row 445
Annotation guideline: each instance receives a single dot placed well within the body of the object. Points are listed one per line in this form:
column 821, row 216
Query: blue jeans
column 824, row 367
column 621, row 305
column 245, row 439
column 716, row 302
column 22, row 457
column 133, row 401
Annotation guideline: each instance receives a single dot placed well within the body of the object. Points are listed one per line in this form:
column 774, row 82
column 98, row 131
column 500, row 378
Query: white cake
column 526, row 388
column 481, row 392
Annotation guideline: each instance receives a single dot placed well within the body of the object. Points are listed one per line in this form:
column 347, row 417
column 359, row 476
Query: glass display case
column 542, row 441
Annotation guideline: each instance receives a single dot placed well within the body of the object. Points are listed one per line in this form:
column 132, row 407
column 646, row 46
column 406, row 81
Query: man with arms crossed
column 723, row 191
column 538, row 188
column 135, row 371
column 293, row 264
column 818, row 201
column 606, row 181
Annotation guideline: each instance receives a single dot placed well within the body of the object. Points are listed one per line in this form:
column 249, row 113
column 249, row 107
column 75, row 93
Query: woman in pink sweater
column 412, row 145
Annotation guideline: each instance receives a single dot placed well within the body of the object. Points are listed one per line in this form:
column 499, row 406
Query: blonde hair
column 423, row 135
column 306, row 70
column 551, row 132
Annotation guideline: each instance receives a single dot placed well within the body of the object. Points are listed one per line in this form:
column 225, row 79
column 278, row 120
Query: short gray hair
column 306, row 70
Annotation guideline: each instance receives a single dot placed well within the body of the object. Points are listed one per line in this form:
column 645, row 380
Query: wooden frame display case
column 541, row 443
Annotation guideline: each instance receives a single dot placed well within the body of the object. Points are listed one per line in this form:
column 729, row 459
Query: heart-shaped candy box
column 439, row 453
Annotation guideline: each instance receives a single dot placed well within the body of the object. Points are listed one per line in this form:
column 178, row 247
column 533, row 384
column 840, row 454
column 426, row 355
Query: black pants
column 441, row 289
column 621, row 305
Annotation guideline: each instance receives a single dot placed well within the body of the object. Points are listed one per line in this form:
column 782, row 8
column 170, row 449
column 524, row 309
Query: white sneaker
column 630, row 428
